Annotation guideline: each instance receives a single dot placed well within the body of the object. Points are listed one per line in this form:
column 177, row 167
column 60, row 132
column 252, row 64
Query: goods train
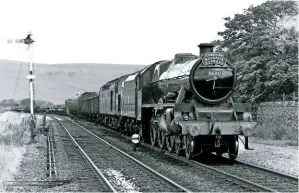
column 183, row 105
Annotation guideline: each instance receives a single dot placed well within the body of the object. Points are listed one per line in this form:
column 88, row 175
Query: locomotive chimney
column 205, row 48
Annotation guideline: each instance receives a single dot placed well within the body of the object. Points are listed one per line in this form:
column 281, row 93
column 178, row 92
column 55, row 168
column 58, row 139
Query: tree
column 8, row 102
column 262, row 43
column 25, row 102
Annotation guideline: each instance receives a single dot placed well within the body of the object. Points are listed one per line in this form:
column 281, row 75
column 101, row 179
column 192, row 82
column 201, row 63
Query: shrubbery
column 277, row 120
column 14, row 134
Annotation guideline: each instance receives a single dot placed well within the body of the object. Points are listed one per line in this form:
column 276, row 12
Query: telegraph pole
column 29, row 41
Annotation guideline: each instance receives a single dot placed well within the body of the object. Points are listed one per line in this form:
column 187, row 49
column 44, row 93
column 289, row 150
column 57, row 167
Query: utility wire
column 15, row 89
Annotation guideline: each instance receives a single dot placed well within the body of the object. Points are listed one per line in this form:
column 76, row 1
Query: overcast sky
column 120, row 32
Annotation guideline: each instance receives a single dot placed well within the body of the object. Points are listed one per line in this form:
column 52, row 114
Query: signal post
column 31, row 76
column 29, row 41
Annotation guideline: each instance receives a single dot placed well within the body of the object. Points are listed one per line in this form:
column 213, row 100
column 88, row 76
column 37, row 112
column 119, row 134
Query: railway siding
column 33, row 173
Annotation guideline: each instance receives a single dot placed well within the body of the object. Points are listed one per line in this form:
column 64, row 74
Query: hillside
column 57, row 82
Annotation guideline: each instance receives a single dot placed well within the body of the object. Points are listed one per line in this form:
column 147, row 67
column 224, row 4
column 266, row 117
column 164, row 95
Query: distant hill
column 58, row 82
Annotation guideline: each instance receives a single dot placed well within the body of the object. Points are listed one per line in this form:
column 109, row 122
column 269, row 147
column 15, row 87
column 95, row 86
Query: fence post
column 294, row 96
column 283, row 97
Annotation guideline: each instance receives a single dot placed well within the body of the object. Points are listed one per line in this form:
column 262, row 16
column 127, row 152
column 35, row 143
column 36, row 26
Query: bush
column 14, row 134
column 277, row 120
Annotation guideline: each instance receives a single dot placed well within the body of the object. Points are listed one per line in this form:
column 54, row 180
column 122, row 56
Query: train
column 183, row 105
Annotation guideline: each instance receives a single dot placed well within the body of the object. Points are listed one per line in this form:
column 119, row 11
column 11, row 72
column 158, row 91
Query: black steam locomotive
column 183, row 105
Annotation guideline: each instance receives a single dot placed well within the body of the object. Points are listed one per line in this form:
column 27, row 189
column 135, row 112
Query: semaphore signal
column 29, row 41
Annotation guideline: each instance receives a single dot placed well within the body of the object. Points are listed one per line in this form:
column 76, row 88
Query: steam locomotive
column 183, row 105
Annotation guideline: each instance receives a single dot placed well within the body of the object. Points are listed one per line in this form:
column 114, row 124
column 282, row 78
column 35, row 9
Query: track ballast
column 108, row 158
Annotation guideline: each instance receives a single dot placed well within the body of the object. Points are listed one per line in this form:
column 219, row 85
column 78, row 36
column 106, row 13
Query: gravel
column 194, row 178
column 64, row 170
column 279, row 158
column 129, row 173
column 282, row 158
column 33, row 165
column 120, row 180
column 72, row 166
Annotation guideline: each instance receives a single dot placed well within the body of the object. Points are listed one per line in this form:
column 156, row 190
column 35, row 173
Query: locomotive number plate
column 215, row 73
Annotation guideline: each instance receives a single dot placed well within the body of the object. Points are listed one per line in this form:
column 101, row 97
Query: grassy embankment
column 14, row 134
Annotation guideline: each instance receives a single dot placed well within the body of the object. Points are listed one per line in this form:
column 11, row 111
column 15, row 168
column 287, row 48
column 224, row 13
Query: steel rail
column 49, row 158
column 87, row 157
column 52, row 167
column 135, row 160
column 245, row 182
column 53, row 154
column 52, row 150
column 254, row 186
column 290, row 177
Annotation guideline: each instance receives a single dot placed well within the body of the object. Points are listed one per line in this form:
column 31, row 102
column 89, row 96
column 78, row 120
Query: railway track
column 256, row 176
column 253, row 177
column 108, row 160
column 86, row 178
column 51, row 155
